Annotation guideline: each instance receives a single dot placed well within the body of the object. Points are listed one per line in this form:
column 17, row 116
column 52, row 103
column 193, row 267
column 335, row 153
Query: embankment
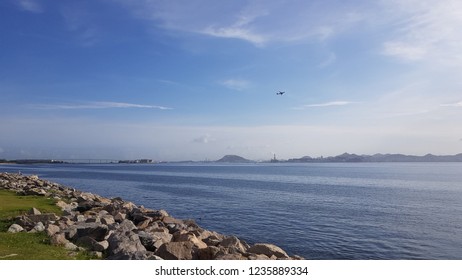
column 113, row 228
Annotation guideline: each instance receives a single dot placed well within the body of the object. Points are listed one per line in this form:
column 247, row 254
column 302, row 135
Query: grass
column 28, row 246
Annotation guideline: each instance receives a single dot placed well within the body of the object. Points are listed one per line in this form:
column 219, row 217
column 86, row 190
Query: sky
column 197, row 79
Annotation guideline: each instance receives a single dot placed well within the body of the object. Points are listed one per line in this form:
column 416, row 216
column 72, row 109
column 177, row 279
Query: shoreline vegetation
column 345, row 157
column 112, row 228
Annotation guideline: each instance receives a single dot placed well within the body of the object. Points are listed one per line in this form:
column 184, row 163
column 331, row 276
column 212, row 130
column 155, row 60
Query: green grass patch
column 12, row 205
column 29, row 246
column 34, row 246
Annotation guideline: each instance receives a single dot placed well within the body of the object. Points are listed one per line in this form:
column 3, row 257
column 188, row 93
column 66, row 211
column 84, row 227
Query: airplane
column 280, row 92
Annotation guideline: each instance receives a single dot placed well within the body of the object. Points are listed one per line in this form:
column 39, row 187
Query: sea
column 333, row 211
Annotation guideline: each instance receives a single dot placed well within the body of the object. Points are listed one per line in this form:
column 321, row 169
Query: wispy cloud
column 326, row 104
column 236, row 32
column 456, row 104
column 256, row 22
column 425, row 29
column 30, row 5
column 236, row 84
column 96, row 105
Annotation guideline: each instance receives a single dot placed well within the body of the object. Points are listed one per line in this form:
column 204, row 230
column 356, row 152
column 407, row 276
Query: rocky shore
column 112, row 228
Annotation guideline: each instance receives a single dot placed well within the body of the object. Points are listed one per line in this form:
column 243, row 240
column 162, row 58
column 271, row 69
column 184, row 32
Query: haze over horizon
column 190, row 80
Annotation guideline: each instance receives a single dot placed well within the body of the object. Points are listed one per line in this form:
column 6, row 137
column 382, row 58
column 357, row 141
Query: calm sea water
column 318, row 211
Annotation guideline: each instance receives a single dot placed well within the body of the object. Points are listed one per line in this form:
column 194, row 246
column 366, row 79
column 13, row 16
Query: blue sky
column 177, row 80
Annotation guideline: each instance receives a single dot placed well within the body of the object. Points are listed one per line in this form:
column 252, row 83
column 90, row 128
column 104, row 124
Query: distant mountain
column 346, row 157
column 233, row 159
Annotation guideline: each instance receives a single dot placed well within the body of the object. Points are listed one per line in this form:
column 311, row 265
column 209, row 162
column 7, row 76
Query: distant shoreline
column 345, row 157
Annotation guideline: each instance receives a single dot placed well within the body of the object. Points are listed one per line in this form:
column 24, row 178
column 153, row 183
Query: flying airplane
column 280, row 92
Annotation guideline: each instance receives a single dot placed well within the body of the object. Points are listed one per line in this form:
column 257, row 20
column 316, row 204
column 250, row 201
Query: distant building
column 136, row 161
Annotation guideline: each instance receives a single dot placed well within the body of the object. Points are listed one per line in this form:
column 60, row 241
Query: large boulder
column 124, row 245
column 176, row 251
column 96, row 231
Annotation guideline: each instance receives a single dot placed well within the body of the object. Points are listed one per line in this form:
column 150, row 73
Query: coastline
column 113, row 228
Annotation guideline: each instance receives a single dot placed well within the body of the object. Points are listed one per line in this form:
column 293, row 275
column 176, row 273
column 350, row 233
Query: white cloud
column 30, row 5
column 326, row 104
column 236, row 84
column 405, row 50
column 456, row 104
column 257, row 22
column 97, row 105
column 425, row 30
column 235, row 32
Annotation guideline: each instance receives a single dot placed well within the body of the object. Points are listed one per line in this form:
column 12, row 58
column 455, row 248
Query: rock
column 148, row 241
column 93, row 220
column 119, row 217
column 52, row 229
column 91, row 244
column 39, row 227
column 71, row 246
column 34, row 211
column 124, row 244
column 208, row 253
column 80, row 218
column 44, row 218
column 144, row 224
column 126, row 225
column 63, row 205
column 88, row 205
column 104, row 244
column 268, row 250
column 191, row 237
column 257, row 257
column 171, row 220
column 25, row 222
column 234, row 244
column 103, row 200
column 176, row 251
column 234, row 256
column 107, row 220
column 59, row 239
column 96, row 231
column 14, row 228
column 35, row 191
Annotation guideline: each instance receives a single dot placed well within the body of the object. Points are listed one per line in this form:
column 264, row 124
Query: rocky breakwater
column 119, row 229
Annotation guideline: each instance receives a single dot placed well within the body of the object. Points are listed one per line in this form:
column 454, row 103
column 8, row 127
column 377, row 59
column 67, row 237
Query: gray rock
column 124, row 244
column 14, row 228
column 126, row 225
column 90, row 243
column 96, row 231
column 44, row 218
column 39, row 227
